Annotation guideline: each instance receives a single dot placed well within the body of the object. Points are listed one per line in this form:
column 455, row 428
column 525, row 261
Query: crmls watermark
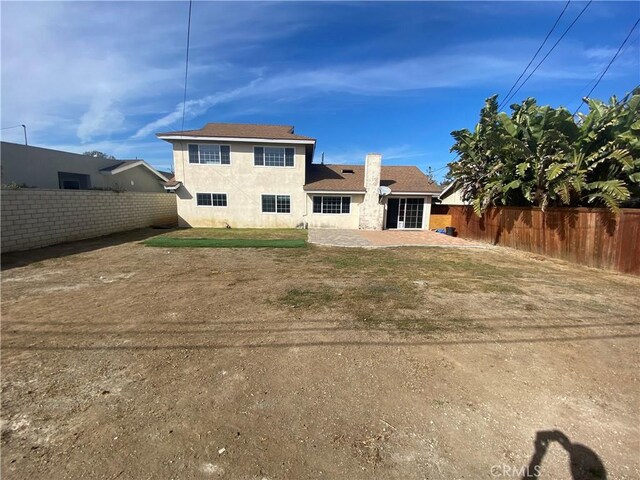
column 511, row 471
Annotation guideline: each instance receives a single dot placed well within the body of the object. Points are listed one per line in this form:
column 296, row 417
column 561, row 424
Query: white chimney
column 371, row 211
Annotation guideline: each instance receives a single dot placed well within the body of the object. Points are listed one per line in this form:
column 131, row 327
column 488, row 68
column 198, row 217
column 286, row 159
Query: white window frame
column 219, row 164
column 338, row 196
column 226, row 196
column 274, row 166
column 275, row 195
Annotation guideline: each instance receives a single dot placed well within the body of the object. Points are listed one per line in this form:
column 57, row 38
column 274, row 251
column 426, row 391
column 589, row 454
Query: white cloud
column 463, row 66
column 101, row 117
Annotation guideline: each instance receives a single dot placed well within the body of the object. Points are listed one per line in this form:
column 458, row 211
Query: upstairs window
column 326, row 204
column 276, row 204
column 210, row 154
column 273, row 156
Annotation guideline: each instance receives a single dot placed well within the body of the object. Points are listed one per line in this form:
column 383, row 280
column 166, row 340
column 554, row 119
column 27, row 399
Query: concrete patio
column 386, row 238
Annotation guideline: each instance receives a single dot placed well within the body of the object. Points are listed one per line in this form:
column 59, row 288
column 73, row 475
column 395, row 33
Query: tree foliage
column 98, row 154
column 543, row 156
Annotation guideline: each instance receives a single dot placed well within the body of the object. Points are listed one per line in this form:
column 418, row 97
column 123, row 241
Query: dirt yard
column 131, row 362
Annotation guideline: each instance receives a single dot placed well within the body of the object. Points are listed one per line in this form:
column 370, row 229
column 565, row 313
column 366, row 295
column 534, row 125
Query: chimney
column 371, row 211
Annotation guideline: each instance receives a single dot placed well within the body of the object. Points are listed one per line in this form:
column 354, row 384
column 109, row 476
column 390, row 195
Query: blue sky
column 394, row 78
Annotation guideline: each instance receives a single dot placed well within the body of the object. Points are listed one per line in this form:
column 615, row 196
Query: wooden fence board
column 588, row 236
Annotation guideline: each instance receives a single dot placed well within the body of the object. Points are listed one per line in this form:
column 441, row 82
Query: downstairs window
column 211, row 199
column 276, row 204
column 327, row 204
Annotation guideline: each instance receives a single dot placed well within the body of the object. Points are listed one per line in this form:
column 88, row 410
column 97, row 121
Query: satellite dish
column 384, row 191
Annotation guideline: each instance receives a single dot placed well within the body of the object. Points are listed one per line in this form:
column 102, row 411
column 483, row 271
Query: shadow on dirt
column 584, row 462
column 24, row 258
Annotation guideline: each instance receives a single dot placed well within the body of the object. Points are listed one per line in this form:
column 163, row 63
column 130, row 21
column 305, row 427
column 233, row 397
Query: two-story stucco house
column 244, row 175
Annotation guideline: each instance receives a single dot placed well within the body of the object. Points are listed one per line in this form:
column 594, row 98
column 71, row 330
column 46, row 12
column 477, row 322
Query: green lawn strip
column 172, row 242
column 240, row 233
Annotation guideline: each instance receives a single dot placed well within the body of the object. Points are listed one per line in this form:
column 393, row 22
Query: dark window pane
column 74, row 181
column 317, row 204
column 258, row 156
column 193, row 154
column 331, row 205
column 273, row 157
column 225, row 154
column 284, row 204
column 346, row 204
column 204, row 199
column 268, row 203
column 209, row 153
column 219, row 199
column 288, row 157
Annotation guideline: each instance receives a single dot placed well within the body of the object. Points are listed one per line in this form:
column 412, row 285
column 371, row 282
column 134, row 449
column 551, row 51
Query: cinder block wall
column 33, row 218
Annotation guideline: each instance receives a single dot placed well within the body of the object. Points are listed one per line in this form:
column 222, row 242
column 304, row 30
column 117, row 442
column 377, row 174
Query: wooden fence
column 588, row 236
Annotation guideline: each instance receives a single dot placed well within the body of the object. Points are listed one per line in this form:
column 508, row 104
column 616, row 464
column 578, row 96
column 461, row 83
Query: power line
column 24, row 128
column 186, row 68
column 609, row 65
column 588, row 84
column 549, row 52
column 537, row 52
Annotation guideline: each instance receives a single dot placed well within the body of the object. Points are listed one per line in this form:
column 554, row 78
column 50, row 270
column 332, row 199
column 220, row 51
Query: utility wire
column 537, row 52
column 588, row 85
column 12, row 126
column 609, row 65
column 549, row 52
column 186, row 68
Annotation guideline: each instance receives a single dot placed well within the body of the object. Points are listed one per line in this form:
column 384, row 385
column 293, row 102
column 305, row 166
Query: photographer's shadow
column 584, row 462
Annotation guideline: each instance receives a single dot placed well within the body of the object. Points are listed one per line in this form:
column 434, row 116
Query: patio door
column 405, row 212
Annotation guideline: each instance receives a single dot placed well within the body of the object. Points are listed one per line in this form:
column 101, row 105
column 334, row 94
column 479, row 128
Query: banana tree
column 544, row 157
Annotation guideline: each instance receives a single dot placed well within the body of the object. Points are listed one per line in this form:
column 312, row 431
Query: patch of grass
column 302, row 298
column 240, row 233
column 376, row 320
column 172, row 242
column 476, row 285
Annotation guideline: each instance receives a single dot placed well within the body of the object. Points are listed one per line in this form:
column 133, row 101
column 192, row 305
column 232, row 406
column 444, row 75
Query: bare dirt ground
column 125, row 361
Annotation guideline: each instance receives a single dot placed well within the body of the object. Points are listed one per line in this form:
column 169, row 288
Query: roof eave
column 128, row 165
column 294, row 141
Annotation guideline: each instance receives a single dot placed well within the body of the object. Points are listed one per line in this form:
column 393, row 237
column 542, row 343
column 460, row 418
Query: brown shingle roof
column 242, row 130
column 333, row 178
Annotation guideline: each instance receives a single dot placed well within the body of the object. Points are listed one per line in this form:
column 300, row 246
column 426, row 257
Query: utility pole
column 24, row 127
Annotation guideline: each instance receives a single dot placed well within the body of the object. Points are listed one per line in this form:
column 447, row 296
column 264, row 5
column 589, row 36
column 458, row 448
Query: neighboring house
column 451, row 195
column 44, row 168
column 263, row 176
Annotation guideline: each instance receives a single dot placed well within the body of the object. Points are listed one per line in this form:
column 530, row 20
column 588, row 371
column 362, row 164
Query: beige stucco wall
column 244, row 185
column 34, row 218
column 327, row 220
column 39, row 167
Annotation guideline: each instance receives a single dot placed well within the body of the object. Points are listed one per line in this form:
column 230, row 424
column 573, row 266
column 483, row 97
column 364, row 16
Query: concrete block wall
column 32, row 218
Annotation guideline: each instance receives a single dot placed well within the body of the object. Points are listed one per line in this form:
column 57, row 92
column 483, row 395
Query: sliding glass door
column 405, row 212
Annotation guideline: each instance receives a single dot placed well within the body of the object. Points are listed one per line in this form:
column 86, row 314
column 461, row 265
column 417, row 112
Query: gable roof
column 448, row 190
column 124, row 165
column 240, row 131
column 400, row 179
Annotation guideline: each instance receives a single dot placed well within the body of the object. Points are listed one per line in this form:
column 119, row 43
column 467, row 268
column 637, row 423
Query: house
column 452, row 195
column 244, row 175
column 448, row 200
column 45, row 168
